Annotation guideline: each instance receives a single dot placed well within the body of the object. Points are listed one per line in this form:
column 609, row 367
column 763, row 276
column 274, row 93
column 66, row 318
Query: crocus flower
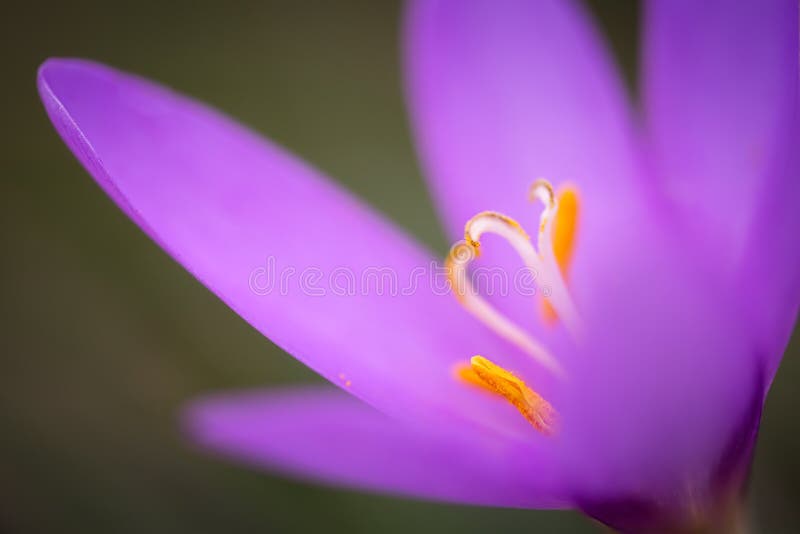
column 630, row 386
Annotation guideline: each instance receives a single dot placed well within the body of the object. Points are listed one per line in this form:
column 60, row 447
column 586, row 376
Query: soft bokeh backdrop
column 104, row 337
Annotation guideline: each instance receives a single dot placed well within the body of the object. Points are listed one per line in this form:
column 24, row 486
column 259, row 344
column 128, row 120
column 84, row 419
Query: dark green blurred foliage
column 104, row 337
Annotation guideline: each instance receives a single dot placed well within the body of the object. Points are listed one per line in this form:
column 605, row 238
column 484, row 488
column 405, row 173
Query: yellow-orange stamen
column 490, row 376
column 563, row 236
column 465, row 373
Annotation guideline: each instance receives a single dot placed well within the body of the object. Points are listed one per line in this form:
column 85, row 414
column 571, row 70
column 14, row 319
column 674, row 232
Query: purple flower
column 629, row 386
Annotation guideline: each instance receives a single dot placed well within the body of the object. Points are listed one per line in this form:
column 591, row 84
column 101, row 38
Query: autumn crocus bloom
column 634, row 391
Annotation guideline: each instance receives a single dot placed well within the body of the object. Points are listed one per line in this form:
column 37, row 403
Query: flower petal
column 719, row 84
column 503, row 93
column 721, row 93
column 772, row 265
column 668, row 388
column 225, row 203
column 322, row 435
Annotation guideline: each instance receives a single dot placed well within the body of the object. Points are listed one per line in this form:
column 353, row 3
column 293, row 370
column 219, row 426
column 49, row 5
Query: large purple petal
column 506, row 92
column 666, row 386
column 772, row 265
column 222, row 201
column 720, row 92
column 323, row 435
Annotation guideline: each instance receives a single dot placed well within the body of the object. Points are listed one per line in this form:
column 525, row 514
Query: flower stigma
column 458, row 260
column 548, row 262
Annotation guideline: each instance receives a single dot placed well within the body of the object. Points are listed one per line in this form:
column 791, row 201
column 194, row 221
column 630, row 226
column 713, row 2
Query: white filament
column 560, row 298
column 545, row 268
column 491, row 317
column 542, row 263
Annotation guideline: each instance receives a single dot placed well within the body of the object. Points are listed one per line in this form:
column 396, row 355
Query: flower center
column 548, row 263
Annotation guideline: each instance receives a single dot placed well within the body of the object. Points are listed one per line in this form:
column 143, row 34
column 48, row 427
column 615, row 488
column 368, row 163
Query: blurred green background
column 105, row 337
